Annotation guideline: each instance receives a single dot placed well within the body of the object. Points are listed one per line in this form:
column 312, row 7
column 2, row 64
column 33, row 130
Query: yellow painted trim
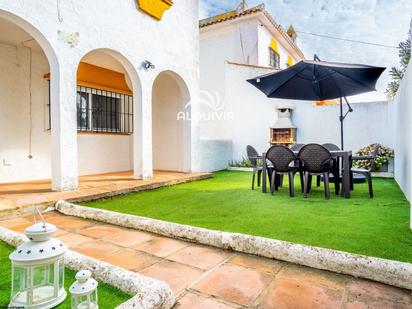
column 274, row 45
column 290, row 60
column 326, row 102
column 92, row 76
column 155, row 8
column 89, row 75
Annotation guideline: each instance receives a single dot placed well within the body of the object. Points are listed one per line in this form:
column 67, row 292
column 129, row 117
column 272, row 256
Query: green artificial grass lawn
column 375, row 227
column 108, row 297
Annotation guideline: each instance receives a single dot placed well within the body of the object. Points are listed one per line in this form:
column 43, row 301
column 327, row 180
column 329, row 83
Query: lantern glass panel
column 20, row 284
column 42, row 288
column 61, row 273
column 93, row 298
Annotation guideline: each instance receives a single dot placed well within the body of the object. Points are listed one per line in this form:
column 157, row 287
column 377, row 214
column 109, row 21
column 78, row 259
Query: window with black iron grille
column 274, row 58
column 103, row 111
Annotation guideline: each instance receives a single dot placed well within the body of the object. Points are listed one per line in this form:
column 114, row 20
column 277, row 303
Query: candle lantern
column 38, row 269
column 84, row 291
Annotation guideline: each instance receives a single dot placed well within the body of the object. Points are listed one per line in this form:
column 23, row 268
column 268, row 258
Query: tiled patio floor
column 208, row 278
column 14, row 197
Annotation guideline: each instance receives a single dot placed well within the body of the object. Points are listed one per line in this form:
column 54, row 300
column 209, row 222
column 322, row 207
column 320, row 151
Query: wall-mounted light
column 147, row 65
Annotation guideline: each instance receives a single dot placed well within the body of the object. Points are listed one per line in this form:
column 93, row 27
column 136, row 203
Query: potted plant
column 383, row 159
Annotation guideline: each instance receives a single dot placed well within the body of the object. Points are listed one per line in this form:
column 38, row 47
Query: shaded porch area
column 17, row 198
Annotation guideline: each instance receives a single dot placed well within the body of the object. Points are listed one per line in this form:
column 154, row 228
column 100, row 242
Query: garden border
column 148, row 293
column 390, row 272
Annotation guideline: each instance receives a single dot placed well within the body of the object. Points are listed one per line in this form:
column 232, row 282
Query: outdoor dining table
column 344, row 155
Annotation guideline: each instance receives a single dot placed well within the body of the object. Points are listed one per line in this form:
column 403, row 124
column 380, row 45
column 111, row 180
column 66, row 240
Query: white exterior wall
column 402, row 117
column 265, row 39
column 104, row 153
column 132, row 36
column 15, row 163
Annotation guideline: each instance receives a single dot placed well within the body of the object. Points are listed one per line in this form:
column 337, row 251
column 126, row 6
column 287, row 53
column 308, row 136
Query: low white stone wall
column 386, row 271
column 148, row 293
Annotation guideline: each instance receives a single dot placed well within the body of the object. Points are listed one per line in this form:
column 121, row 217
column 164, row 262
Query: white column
column 142, row 134
column 63, row 129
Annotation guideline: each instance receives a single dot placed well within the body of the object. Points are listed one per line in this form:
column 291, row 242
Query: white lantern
column 84, row 291
column 38, row 269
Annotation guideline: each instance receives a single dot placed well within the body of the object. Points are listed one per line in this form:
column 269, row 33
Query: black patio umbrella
column 319, row 81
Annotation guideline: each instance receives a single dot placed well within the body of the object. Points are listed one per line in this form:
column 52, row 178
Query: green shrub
column 244, row 162
column 384, row 155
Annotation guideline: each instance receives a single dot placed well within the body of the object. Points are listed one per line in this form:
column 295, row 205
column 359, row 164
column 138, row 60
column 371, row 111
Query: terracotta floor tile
column 72, row 224
column 73, row 240
column 60, row 232
column 294, row 294
column 97, row 249
column 376, row 304
column 20, row 228
column 128, row 238
column 319, row 277
column 199, row 256
column 258, row 263
column 178, row 276
column 101, row 231
column 161, row 246
column 234, row 283
column 192, row 301
column 132, row 259
column 16, row 222
column 365, row 291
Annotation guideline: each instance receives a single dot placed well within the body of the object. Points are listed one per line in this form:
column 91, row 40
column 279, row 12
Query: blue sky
column 378, row 21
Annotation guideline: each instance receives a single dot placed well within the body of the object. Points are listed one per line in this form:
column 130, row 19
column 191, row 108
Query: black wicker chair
column 297, row 147
column 298, row 163
column 363, row 171
column 317, row 160
column 281, row 158
column 253, row 158
column 336, row 167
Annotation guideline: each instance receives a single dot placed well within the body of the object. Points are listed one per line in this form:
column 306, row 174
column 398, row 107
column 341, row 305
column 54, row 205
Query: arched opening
column 25, row 101
column 107, row 91
column 171, row 132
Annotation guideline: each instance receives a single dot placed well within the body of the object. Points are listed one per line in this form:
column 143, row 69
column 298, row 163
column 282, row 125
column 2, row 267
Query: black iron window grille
column 101, row 111
column 274, row 59
column 104, row 111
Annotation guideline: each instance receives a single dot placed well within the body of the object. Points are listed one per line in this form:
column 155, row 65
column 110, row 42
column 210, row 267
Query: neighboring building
column 76, row 99
column 246, row 43
column 234, row 46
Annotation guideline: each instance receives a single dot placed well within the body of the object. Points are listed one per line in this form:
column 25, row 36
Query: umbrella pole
column 341, row 118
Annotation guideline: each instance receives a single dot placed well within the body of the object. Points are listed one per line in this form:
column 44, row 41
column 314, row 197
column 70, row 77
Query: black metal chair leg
column 305, row 185
column 326, row 183
column 302, row 181
column 370, row 186
column 253, row 181
column 273, row 182
column 280, row 184
column 259, row 178
column 337, row 183
column 351, row 182
column 291, row 184
column 318, row 181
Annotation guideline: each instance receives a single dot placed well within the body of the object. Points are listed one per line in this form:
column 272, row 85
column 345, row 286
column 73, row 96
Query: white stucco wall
column 254, row 113
column 402, row 117
column 101, row 153
column 132, row 37
column 15, row 163
column 168, row 144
